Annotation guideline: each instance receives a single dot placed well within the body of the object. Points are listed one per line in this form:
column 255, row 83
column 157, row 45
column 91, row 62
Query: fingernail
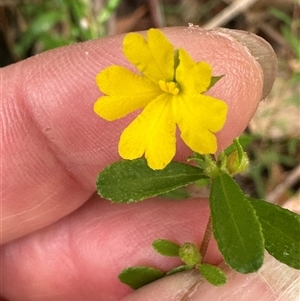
column 273, row 282
column 283, row 280
column 261, row 50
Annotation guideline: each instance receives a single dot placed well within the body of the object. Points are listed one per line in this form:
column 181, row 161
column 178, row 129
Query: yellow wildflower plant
column 169, row 89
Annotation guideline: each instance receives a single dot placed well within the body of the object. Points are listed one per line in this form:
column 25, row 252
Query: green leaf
column 235, row 226
column 212, row 274
column 214, row 80
column 198, row 158
column 237, row 161
column 138, row 276
column 178, row 269
column 239, row 149
column 281, row 230
column 166, row 247
column 131, row 181
column 244, row 141
column 177, row 194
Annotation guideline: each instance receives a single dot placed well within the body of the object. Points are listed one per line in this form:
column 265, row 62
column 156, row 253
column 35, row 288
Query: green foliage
column 281, row 230
column 139, row 276
column 165, row 247
column 214, row 80
column 290, row 30
column 244, row 141
column 233, row 160
column 54, row 23
column 108, row 10
column 132, row 181
column 242, row 226
column 237, row 161
column 177, row 194
column 212, row 274
column 235, row 226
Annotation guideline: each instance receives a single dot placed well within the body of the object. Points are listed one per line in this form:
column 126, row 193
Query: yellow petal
column 126, row 91
column 192, row 77
column 152, row 133
column 198, row 118
column 154, row 58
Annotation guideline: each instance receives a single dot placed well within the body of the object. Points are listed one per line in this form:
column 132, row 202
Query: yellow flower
column 170, row 91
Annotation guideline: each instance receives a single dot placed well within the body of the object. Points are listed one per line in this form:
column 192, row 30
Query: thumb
column 55, row 145
column 274, row 282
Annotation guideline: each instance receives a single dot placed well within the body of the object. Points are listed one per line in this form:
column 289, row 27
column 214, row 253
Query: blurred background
column 272, row 139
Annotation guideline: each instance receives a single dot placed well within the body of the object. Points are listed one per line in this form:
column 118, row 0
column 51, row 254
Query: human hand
column 60, row 241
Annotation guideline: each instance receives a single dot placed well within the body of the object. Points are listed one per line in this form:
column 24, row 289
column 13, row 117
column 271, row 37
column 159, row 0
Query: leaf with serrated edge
column 281, row 230
column 131, row 181
column 139, row 276
column 177, row 194
column 212, row 274
column 235, row 226
column 166, row 247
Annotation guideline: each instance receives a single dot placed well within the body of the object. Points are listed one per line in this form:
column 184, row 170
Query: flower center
column 169, row 87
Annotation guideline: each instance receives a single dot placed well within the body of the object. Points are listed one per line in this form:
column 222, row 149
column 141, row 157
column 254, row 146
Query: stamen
column 169, row 87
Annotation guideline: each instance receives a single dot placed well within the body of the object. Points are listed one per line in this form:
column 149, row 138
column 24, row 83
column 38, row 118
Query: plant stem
column 206, row 238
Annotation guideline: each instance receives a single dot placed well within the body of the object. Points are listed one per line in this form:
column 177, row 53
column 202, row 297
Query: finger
column 274, row 282
column 79, row 257
column 54, row 144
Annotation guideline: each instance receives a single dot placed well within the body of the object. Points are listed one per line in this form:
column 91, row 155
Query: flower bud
column 189, row 254
column 235, row 164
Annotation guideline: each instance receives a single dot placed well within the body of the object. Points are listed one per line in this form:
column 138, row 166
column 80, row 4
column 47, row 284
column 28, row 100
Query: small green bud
column 237, row 164
column 189, row 254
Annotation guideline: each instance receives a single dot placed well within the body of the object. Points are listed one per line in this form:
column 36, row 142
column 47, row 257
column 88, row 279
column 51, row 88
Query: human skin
column 60, row 241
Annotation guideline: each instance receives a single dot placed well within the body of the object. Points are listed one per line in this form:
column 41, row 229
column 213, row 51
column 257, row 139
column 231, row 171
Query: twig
column 289, row 181
column 157, row 14
column 227, row 14
column 206, row 238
